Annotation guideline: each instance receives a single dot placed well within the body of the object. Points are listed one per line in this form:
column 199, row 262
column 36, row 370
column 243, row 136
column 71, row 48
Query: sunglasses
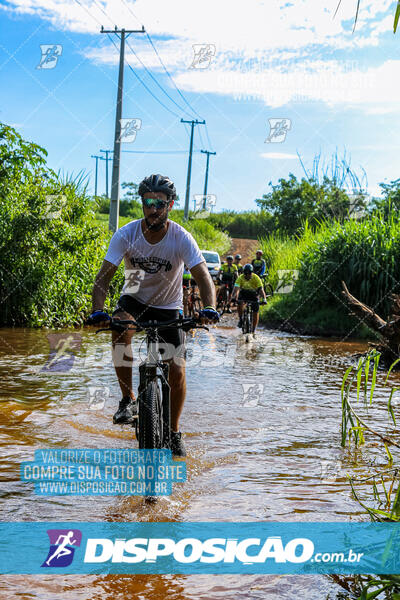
column 149, row 202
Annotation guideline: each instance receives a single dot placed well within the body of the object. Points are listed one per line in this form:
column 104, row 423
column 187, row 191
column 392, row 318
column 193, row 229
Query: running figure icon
column 62, row 549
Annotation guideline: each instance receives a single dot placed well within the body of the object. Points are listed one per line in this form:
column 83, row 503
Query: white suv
column 213, row 262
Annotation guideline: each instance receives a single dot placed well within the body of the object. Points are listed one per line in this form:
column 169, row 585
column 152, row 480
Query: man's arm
column 235, row 292
column 204, row 281
column 262, row 292
column 101, row 284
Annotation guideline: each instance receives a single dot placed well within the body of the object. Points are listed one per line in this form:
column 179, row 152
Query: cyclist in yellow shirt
column 227, row 276
column 248, row 286
column 238, row 258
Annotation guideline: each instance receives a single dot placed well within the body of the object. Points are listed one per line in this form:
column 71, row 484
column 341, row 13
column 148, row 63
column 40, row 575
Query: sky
column 265, row 62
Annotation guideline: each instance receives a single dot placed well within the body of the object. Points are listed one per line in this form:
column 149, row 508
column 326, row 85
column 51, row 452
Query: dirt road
column 246, row 248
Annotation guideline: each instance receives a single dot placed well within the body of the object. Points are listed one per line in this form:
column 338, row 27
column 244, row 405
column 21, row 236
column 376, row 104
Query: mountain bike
column 153, row 423
column 223, row 299
column 247, row 319
column 194, row 302
column 191, row 301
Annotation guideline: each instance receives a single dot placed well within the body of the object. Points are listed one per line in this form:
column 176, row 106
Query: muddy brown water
column 275, row 456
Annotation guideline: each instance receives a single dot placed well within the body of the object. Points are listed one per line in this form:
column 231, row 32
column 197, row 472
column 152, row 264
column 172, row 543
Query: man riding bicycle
column 259, row 264
column 248, row 287
column 154, row 250
column 227, row 276
column 238, row 258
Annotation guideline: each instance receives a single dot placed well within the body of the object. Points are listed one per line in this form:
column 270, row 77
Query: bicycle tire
column 150, row 417
column 246, row 321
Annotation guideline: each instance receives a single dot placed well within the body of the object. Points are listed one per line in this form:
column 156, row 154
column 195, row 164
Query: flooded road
column 262, row 426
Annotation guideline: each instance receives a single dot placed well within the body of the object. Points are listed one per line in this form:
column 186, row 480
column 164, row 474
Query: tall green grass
column 284, row 252
column 365, row 254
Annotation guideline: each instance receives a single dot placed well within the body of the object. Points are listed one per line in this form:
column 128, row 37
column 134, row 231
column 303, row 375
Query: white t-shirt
column 154, row 272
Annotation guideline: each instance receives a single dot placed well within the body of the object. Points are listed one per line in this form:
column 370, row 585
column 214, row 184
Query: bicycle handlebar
column 181, row 323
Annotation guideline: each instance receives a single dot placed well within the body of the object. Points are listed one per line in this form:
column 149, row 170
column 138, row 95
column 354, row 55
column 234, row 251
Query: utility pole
column 114, row 204
column 96, row 171
column 189, row 172
column 206, row 178
column 107, row 152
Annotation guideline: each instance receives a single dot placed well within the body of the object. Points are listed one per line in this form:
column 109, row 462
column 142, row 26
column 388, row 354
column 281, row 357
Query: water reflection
column 276, row 457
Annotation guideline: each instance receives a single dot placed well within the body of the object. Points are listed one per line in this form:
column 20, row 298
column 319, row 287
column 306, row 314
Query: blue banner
column 213, row 548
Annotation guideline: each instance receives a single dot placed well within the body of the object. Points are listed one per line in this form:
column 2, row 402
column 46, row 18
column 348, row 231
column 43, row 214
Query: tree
column 293, row 202
column 389, row 204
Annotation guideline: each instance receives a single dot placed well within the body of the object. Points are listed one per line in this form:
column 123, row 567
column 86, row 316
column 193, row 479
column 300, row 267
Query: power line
column 170, row 76
column 158, row 151
column 208, row 138
column 130, row 10
column 157, row 83
column 86, row 10
column 147, row 88
column 201, row 139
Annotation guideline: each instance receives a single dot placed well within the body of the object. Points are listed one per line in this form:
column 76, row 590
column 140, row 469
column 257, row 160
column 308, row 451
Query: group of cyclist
column 243, row 284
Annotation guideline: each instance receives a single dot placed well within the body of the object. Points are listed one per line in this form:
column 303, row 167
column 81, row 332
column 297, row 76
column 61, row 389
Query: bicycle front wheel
column 246, row 321
column 150, row 417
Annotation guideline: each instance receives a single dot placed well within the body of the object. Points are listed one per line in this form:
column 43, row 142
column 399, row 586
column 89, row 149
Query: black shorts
column 141, row 312
column 230, row 283
column 251, row 298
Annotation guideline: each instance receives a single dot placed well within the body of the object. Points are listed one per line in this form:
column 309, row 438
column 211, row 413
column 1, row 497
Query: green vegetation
column 380, row 497
column 53, row 240
column 293, row 202
column 247, row 224
column 51, row 247
column 365, row 254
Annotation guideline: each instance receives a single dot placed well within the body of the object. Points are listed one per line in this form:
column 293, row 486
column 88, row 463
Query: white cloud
column 247, row 27
column 278, row 156
column 272, row 50
column 332, row 82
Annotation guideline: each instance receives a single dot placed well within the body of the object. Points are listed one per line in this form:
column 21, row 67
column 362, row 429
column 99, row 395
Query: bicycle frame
column 147, row 372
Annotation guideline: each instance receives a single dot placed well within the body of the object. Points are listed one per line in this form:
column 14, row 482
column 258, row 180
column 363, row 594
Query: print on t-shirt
column 151, row 264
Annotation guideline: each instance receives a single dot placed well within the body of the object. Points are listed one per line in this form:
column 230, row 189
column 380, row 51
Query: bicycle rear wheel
column 150, row 417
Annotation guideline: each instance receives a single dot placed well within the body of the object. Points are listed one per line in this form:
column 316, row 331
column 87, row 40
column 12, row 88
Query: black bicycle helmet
column 229, row 257
column 248, row 268
column 238, row 256
column 157, row 183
